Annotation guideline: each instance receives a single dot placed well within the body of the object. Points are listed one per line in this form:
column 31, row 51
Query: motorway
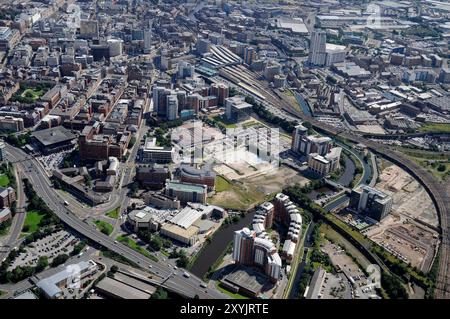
column 18, row 219
column 188, row 287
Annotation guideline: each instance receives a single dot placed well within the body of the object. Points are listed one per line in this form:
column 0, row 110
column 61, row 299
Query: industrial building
column 53, row 287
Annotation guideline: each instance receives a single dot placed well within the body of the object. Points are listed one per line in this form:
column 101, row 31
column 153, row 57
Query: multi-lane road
column 18, row 219
column 188, row 287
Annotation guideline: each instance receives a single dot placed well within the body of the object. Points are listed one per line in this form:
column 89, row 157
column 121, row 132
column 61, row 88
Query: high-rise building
column 317, row 48
column 370, row 202
column 248, row 55
column 115, row 47
column 222, row 91
column 172, row 107
column 307, row 144
column 271, row 70
column 160, row 100
column 88, row 29
column 444, row 75
column 203, row 46
column 185, row 70
column 324, row 165
column 236, row 109
column 248, row 249
column 147, row 41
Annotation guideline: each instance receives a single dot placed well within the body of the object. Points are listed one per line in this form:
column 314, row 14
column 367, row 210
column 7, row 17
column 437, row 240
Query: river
column 219, row 243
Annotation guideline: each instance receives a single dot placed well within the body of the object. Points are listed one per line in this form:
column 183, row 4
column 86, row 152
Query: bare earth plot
column 246, row 192
column 405, row 232
column 410, row 198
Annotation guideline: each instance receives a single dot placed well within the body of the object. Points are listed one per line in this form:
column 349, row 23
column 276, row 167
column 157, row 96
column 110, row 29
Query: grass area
column 33, row 94
column 223, row 122
column 2, row 293
column 238, row 197
column 4, row 180
column 104, row 227
column 29, row 94
column 32, row 221
column 229, row 293
column 350, row 249
column 222, row 184
column 250, row 124
column 5, row 227
column 436, row 163
column 435, row 127
column 133, row 245
column 114, row 213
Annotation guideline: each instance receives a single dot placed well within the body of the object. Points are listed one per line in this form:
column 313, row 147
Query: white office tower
column 148, row 37
column 185, row 70
column 115, row 47
column 147, row 41
column 317, row 48
column 172, row 107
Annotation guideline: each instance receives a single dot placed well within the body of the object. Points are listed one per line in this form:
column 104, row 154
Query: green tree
column 42, row 263
column 160, row 293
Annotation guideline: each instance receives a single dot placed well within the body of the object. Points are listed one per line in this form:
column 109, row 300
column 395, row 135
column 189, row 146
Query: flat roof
column 185, row 187
column 53, row 135
column 248, row 278
column 121, row 290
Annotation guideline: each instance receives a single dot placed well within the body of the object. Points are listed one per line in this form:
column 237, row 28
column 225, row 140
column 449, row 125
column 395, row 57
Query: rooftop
column 53, row 135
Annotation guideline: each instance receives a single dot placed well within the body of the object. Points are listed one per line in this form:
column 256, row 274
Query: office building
column 88, row 29
column 249, row 53
column 54, row 139
column 198, row 175
column 152, row 176
column 185, row 70
column 236, row 109
column 317, row 48
column 371, row 202
column 172, row 107
column 444, row 75
column 187, row 192
column 307, row 144
column 151, row 153
column 221, row 91
column 324, row 165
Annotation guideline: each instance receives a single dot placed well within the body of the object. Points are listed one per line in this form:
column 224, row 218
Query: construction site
column 410, row 231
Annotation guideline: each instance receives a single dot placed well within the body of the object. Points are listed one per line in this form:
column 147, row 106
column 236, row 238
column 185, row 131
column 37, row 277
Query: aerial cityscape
column 210, row 149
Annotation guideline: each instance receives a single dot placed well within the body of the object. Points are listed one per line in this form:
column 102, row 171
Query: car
column 175, row 267
column 185, row 274
column 150, row 266
column 203, row 285
column 115, row 242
